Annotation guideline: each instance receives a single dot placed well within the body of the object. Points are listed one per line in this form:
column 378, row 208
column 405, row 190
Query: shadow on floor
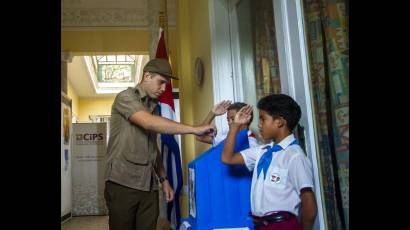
column 99, row 223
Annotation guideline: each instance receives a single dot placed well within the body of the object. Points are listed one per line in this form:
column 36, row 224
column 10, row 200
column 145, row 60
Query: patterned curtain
column 266, row 54
column 327, row 37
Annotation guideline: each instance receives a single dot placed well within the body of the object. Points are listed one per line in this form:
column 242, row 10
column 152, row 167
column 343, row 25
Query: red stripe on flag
column 161, row 49
column 167, row 97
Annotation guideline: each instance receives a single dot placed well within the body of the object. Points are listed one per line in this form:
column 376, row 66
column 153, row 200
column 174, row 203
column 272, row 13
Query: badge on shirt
column 278, row 177
column 275, row 178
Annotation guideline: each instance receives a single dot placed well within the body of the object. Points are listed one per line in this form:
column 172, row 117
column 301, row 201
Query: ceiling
column 80, row 80
column 113, row 13
column 79, row 77
column 94, row 14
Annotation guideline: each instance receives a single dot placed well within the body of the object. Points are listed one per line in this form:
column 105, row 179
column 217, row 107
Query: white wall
column 66, row 186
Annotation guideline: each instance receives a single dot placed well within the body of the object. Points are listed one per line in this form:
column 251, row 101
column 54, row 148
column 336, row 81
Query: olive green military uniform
column 131, row 190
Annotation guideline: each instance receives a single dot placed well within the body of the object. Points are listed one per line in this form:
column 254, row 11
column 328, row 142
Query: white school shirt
column 222, row 136
column 290, row 171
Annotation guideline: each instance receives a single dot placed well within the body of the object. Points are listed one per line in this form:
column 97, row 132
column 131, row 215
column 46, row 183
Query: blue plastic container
column 219, row 194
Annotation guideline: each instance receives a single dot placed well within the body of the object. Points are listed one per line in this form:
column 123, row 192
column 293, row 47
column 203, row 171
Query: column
column 66, row 58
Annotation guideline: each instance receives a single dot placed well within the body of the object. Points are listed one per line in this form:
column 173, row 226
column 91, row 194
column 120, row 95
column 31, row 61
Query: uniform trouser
column 290, row 224
column 130, row 209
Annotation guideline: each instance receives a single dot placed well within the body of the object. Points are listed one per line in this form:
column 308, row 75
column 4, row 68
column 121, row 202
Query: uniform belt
column 273, row 218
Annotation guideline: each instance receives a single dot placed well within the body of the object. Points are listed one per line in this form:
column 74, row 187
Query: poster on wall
column 192, row 206
column 89, row 143
column 65, row 156
column 66, row 125
column 66, row 160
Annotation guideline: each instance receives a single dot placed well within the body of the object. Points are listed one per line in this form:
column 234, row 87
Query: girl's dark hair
column 237, row 106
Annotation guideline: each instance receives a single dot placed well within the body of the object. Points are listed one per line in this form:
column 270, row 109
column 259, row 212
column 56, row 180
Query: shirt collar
column 287, row 141
column 143, row 94
column 138, row 89
column 284, row 143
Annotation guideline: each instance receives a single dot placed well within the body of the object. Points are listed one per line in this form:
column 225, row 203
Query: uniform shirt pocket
column 278, row 178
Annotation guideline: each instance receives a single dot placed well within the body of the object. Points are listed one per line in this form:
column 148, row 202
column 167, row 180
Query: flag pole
column 163, row 21
column 169, row 147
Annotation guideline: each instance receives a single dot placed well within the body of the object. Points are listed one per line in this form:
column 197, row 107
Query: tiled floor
column 97, row 223
column 86, row 223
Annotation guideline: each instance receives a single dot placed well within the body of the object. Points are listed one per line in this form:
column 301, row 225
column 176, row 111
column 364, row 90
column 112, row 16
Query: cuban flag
column 171, row 154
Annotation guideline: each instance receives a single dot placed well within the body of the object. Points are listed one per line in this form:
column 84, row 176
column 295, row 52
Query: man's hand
column 205, row 130
column 221, row 107
column 243, row 116
column 168, row 192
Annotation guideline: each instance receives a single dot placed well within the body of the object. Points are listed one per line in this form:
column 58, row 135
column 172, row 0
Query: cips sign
column 89, row 138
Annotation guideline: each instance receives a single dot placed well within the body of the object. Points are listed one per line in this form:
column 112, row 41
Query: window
column 114, row 73
column 118, row 68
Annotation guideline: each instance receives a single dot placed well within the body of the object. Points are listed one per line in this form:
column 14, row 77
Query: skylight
column 114, row 73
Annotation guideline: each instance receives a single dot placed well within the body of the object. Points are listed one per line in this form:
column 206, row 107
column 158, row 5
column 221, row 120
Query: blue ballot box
column 219, row 194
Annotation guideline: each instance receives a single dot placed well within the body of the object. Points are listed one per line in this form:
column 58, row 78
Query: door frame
column 294, row 72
